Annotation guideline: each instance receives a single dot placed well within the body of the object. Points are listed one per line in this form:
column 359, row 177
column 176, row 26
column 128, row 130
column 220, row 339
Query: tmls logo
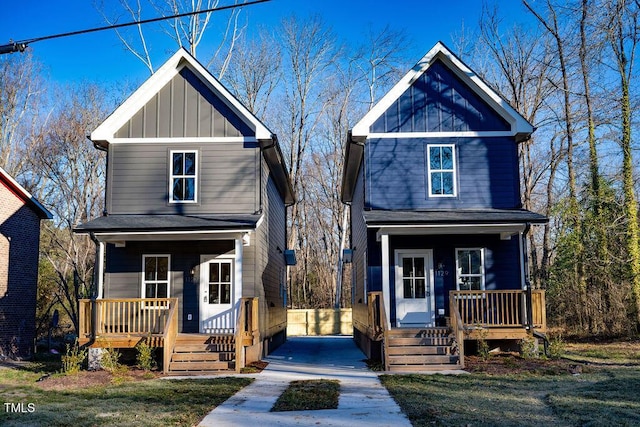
column 21, row 408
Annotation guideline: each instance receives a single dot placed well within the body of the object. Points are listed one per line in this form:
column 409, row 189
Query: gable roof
column 26, row 197
column 440, row 56
column 520, row 127
column 181, row 60
column 245, row 124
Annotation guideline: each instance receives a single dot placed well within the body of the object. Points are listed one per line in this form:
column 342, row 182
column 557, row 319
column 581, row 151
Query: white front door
column 415, row 300
column 217, row 296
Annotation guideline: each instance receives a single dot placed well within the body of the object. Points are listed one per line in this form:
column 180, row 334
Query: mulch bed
column 512, row 363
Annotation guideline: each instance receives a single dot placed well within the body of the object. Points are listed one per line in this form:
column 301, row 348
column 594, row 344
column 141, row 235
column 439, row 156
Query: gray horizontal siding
column 438, row 101
column 139, row 178
column 487, row 174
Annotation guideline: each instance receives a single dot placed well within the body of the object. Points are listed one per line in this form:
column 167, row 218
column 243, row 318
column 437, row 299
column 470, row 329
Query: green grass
column 608, row 353
column 597, row 398
column 309, row 395
column 133, row 403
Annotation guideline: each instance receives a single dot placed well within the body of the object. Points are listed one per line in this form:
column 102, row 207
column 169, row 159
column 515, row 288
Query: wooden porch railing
column 379, row 324
column 170, row 335
column 247, row 329
column 458, row 330
column 498, row 309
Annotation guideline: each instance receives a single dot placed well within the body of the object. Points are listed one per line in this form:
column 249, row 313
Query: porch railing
column 127, row 316
column 499, row 309
column 378, row 322
column 247, row 329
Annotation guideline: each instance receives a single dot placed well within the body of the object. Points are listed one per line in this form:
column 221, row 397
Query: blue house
column 437, row 226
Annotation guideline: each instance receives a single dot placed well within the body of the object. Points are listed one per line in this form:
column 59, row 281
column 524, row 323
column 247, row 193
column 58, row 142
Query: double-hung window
column 441, row 165
column 155, row 276
column 183, row 177
column 470, row 269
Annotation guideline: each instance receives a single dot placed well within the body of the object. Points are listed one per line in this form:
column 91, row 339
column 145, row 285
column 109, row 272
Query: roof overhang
column 118, row 229
column 520, row 127
column 104, row 134
column 27, row 198
column 504, row 230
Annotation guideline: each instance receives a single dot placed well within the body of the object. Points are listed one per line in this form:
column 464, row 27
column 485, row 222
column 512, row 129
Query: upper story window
column 441, row 167
column 183, row 177
column 470, row 269
column 155, row 276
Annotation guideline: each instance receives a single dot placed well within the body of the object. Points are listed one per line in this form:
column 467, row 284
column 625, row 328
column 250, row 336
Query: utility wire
column 20, row 46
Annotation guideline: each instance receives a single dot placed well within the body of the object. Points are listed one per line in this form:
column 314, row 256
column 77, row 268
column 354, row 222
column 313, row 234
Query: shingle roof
column 131, row 223
column 480, row 216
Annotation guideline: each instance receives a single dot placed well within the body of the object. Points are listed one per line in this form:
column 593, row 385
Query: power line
column 20, row 46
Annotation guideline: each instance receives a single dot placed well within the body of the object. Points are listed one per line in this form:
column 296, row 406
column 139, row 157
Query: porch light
column 347, row 256
column 290, row 257
column 246, row 239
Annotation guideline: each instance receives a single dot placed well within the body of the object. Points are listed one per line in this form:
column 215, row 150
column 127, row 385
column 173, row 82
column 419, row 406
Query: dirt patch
column 88, row 379
column 512, row 363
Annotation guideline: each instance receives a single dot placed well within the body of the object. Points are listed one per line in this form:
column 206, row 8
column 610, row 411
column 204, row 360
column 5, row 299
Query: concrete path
column 363, row 400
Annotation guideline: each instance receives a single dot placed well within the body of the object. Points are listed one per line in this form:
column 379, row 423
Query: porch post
column 386, row 288
column 100, row 265
column 238, row 273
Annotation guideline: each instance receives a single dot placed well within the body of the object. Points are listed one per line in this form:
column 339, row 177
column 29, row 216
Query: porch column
column 238, row 269
column 386, row 288
column 100, row 274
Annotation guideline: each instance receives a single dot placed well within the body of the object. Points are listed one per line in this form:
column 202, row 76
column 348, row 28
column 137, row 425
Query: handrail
column 170, row 334
column 247, row 329
column 378, row 318
column 458, row 328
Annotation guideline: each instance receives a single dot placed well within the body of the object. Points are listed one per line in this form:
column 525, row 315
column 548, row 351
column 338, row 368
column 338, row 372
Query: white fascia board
column 183, row 140
column 172, row 235
column 503, row 230
column 469, row 134
column 518, row 124
column 179, row 60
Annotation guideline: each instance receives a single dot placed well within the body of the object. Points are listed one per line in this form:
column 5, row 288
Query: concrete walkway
column 363, row 400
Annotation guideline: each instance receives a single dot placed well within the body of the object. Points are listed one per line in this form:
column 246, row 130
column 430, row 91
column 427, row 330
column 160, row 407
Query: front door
column 216, row 296
column 414, row 289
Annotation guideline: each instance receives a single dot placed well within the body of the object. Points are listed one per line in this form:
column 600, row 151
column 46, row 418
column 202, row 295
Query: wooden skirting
column 121, row 341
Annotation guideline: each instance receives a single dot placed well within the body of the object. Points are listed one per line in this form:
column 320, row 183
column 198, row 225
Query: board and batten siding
column 487, row 173
column 184, row 107
column 438, row 101
column 227, row 177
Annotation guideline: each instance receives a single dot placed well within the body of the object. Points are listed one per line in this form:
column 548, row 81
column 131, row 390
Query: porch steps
column 202, row 354
column 418, row 350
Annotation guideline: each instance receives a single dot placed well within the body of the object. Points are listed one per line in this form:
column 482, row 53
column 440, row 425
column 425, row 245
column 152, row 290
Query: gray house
column 191, row 247
column 437, row 226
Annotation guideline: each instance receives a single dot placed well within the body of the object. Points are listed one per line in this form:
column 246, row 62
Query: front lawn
column 538, row 395
column 131, row 402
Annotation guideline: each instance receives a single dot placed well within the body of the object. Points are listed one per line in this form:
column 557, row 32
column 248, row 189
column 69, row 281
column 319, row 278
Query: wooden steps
column 202, row 354
column 419, row 350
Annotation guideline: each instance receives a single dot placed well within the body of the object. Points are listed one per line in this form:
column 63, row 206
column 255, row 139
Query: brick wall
column 19, row 241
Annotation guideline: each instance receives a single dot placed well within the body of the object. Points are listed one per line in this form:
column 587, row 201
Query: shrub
column 483, row 345
column 73, row 358
column 529, row 347
column 110, row 361
column 557, row 347
column 145, row 356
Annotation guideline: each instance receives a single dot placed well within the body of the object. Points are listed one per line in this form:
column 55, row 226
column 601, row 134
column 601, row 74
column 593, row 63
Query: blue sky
column 100, row 57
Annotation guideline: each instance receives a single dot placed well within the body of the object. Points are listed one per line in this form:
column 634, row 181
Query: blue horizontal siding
column 438, row 101
column 487, row 174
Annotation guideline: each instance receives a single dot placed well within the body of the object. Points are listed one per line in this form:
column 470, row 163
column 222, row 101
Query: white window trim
column 481, row 275
column 144, row 282
column 172, row 176
column 454, row 170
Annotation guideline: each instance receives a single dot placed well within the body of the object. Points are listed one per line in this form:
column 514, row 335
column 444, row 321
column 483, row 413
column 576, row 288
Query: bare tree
column 72, row 174
column 21, row 95
column 186, row 31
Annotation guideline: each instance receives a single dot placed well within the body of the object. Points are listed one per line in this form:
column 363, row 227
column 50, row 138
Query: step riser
column 200, row 354
column 403, row 342
column 422, row 360
column 201, row 366
column 419, row 350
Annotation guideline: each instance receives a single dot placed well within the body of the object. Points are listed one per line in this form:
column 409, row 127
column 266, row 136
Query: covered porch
column 125, row 322
column 473, row 315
